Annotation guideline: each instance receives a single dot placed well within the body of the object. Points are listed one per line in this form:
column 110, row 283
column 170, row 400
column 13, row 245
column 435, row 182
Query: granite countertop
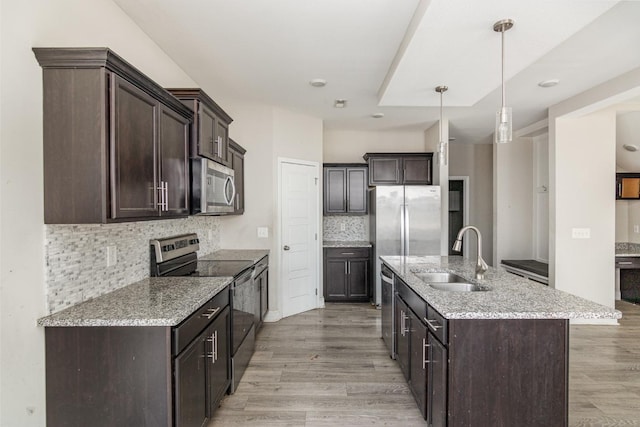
column 346, row 244
column 508, row 296
column 628, row 249
column 254, row 255
column 155, row 301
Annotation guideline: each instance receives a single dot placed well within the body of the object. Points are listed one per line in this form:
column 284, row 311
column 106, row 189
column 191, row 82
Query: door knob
column 286, row 248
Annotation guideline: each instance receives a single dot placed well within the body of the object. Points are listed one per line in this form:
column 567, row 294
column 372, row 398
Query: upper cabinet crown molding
column 197, row 93
column 97, row 57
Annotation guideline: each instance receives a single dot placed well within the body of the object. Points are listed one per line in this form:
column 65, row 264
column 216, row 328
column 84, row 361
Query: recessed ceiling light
column 318, row 82
column 377, row 115
column 549, row 83
column 630, row 147
column 340, row 103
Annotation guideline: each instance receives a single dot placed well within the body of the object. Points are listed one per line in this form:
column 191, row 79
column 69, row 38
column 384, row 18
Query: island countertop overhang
column 508, row 297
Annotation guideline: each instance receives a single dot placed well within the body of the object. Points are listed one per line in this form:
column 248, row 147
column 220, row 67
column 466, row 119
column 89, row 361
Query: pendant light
column 503, row 129
column 443, row 147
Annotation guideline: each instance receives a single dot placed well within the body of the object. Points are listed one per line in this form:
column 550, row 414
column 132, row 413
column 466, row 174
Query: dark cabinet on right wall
column 399, row 168
column 345, row 189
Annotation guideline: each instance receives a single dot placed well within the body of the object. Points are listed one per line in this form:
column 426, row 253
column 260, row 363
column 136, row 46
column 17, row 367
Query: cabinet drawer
column 261, row 265
column 186, row 331
column 627, row 262
column 437, row 324
column 415, row 303
column 347, row 252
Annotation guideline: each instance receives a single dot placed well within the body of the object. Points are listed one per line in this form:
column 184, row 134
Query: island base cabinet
column 482, row 372
column 508, row 372
column 437, row 361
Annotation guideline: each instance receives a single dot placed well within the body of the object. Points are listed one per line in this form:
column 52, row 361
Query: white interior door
column 299, row 195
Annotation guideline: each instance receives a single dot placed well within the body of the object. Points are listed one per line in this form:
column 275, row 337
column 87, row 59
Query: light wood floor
column 329, row 367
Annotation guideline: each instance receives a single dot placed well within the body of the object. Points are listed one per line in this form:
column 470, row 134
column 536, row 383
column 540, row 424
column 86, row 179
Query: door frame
column 278, row 225
column 466, row 208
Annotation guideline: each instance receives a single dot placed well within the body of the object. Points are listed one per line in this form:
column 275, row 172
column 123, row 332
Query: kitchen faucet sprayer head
column 457, row 245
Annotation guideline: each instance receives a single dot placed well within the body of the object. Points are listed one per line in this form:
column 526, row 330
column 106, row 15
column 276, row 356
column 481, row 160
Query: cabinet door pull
column 404, row 329
column 345, row 268
column 625, row 262
column 166, row 195
column 211, row 312
column 424, row 353
column 432, row 325
column 214, row 336
column 347, row 253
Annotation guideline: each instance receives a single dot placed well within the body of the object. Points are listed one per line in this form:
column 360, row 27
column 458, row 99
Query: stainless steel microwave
column 213, row 189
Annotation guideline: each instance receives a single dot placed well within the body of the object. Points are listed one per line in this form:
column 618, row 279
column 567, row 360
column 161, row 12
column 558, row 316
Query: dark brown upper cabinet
column 399, row 168
column 628, row 186
column 210, row 132
column 116, row 144
column 345, row 189
column 235, row 158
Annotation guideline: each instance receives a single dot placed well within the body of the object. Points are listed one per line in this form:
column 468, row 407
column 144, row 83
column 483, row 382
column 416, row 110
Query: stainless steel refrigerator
column 404, row 220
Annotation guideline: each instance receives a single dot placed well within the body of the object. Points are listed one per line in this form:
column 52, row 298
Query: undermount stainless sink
column 441, row 278
column 456, row 287
column 444, row 281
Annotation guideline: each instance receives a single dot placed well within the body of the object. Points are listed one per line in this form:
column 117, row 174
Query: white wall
column 513, row 200
column 25, row 24
column 541, row 197
column 622, row 221
column 343, row 146
column 585, row 267
column 476, row 162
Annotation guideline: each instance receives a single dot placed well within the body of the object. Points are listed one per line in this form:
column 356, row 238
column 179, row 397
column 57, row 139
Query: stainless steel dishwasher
column 388, row 310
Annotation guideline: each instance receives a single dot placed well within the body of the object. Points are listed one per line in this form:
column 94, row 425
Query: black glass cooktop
column 221, row 268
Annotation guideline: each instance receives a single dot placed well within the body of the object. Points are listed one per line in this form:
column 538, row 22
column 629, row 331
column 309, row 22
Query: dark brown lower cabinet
column 436, row 404
column 402, row 337
column 132, row 376
column 347, row 274
column 482, row 372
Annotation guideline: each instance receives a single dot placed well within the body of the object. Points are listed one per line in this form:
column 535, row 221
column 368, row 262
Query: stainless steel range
column 177, row 256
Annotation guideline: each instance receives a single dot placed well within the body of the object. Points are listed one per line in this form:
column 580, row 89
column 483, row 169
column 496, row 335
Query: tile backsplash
column 356, row 228
column 76, row 255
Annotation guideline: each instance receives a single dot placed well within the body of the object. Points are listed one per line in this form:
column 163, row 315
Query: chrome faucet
column 481, row 265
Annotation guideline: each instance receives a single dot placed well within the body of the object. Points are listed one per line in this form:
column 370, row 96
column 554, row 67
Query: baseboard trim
column 273, row 316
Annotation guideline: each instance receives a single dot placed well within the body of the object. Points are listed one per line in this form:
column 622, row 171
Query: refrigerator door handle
column 402, row 230
column 407, row 239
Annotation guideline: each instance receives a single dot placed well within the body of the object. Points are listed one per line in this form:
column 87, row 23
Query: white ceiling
column 389, row 55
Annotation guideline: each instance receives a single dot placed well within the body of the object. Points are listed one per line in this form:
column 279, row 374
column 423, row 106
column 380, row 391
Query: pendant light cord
column 504, row 100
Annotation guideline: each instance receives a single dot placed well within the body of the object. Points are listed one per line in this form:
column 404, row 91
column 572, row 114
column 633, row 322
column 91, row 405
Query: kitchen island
column 493, row 357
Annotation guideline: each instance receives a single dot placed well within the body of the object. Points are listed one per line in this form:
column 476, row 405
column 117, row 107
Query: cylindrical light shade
column 443, row 149
column 503, row 132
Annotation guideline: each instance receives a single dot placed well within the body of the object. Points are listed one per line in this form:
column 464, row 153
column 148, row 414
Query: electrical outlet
column 636, row 228
column 112, row 256
column 210, row 234
column 263, row 232
column 580, row 233
column 343, row 227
